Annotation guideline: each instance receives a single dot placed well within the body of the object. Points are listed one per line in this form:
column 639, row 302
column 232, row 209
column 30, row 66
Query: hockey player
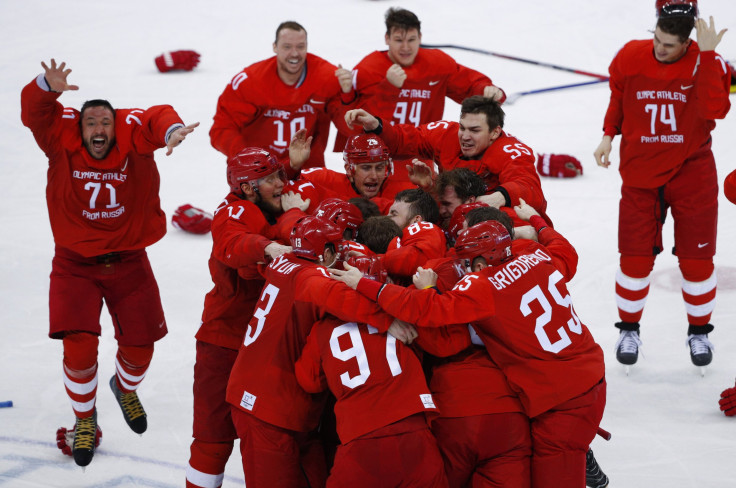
column 665, row 97
column 104, row 208
column 477, row 142
column 382, row 401
column 518, row 303
column 274, row 418
column 269, row 101
column 249, row 227
column 408, row 84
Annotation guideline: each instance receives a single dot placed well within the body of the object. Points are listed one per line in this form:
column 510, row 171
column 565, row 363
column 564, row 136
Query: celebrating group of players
column 402, row 323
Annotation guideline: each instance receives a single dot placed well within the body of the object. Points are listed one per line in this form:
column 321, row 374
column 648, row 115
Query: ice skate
column 701, row 351
column 84, row 438
column 594, row 476
column 131, row 406
column 627, row 348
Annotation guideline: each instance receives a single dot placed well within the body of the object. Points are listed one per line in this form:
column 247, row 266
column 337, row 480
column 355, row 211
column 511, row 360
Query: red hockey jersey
column 375, row 378
column 258, row 109
column 418, row 243
column 297, row 293
column 663, row 111
column 240, row 234
column 100, row 206
column 523, row 313
column 507, row 162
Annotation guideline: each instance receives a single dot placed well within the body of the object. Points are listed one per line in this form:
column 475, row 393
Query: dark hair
column 478, row 104
column 289, row 24
column 421, row 203
column 680, row 26
column 96, row 103
column 482, row 214
column 377, row 233
column 401, row 19
column 367, row 207
column 466, row 183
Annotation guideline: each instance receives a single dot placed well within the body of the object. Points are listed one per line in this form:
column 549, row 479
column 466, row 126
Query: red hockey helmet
column 311, row 234
column 371, row 267
column 488, row 239
column 341, row 213
column 250, row 165
column 458, row 218
column 677, row 8
column 365, row 148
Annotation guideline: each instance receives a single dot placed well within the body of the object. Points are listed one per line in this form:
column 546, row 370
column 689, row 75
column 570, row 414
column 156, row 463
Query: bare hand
column 351, row 276
column 275, row 250
column 526, row 232
column 345, row 78
column 360, row 116
column 402, row 331
column 493, row 92
column 420, row 174
column 56, row 76
column 707, row 37
column 176, row 137
column 294, row 200
column 525, row 211
column 495, row 199
column 396, row 75
column 603, row 151
column 424, row 278
column 300, row 149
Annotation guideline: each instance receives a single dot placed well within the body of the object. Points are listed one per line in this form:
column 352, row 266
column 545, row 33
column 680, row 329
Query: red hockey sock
column 207, row 463
column 698, row 289
column 80, row 372
column 131, row 364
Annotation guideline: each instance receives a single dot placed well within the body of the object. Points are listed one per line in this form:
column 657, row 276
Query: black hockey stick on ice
column 510, row 99
column 515, row 58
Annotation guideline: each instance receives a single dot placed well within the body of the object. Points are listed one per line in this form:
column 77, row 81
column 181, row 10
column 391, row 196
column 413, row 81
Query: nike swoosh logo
column 683, row 87
column 312, row 100
column 700, row 246
column 432, row 83
column 125, row 166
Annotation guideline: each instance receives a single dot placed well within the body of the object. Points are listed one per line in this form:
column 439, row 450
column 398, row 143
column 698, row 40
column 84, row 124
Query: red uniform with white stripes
column 523, row 313
column 665, row 113
column 257, row 109
column 507, row 163
column 297, row 293
column 103, row 214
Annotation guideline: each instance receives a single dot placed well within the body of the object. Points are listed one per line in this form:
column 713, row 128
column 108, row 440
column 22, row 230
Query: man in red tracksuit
column 665, row 98
column 104, row 209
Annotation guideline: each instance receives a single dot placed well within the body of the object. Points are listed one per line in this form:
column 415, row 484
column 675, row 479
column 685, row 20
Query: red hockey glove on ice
column 729, row 187
column 728, row 401
column 559, row 166
column 177, row 60
column 192, row 219
column 65, row 439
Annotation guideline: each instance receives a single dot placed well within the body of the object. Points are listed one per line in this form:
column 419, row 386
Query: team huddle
column 406, row 321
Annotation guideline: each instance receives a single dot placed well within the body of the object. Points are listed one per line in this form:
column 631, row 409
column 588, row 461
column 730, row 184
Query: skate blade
column 703, row 369
column 627, row 369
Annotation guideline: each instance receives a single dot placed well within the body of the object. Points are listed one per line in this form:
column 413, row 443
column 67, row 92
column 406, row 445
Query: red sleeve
column 444, row 341
column 153, row 130
column 308, row 367
column 410, row 141
column 336, row 298
column 465, row 82
column 712, row 85
column 514, row 163
column 419, row 243
column 233, row 112
column 564, row 256
column 44, row 115
column 236, row 235
column 427, row 308
column 615, row 113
